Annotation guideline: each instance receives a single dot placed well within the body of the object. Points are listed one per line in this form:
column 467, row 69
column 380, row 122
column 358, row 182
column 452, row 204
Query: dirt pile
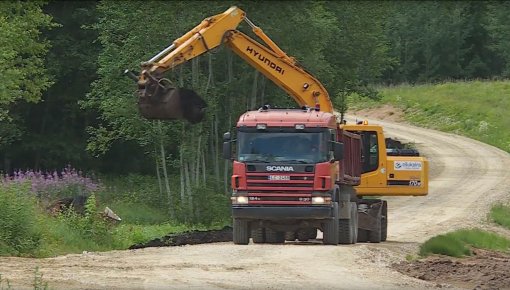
column 385, row 112
column 189, row 238
column 483, row 270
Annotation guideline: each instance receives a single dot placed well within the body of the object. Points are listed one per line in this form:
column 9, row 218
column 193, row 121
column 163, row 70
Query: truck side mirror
column 227, row 150
column 226, row 136
column 338, row 151
column 227, row 146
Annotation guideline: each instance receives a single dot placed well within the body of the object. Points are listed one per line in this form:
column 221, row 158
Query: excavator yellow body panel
column 384, row 175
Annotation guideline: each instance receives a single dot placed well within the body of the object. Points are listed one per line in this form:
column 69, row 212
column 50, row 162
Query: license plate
column 279, row 177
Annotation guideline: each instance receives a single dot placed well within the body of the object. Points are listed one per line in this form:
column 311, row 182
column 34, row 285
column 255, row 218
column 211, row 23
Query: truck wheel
column 290, row 236
column 384, row 222
column 274, row 237
column 346, row 229
column 354, row 218
column 362, row 235
column 374, row 236
column 258, row 235
column 330, row 233
column 240, row 232
column 384, row 229
column 304, row 235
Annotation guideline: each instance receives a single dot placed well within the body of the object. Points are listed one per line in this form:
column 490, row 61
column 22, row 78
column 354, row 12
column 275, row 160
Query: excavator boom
column 159, row 99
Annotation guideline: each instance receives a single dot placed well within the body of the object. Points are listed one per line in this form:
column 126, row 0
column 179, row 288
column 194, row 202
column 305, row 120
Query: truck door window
column 370, row 151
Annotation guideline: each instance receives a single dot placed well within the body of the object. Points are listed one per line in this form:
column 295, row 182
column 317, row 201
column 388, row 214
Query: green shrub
column 444, row 245
column 482, row 239
column 19, row 232
column 457, row 243
column 500, row 214
column 71, row 232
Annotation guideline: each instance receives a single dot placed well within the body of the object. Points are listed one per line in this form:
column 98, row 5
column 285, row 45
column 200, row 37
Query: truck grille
column 280, row 182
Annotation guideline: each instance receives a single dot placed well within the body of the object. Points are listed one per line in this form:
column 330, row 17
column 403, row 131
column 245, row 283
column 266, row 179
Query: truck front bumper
column 282, row 212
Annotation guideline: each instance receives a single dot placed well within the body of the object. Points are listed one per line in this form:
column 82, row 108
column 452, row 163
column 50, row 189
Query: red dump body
column 350, row 166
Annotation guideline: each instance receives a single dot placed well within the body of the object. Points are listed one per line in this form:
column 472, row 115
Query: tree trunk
column 210, row 79
column 216, row 155
column 188, row 191
column 197, row 165
column 167, row 183
column 181, row 171
column 158, row 173
column 204, row 175
column 262, row 91
column 253, row 101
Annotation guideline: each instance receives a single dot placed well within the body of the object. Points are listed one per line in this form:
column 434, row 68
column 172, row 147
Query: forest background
column 64, row 102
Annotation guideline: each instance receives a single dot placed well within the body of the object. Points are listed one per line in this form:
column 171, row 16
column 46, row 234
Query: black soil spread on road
column 189, row 238
column 483, row 270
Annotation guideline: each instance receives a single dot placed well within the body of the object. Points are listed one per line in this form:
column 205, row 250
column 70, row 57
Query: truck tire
column 374, row 236
column 304, row 235
column 330, row 233
column 354, row 218
column 274, row 237
column 362, row 235
column 240, row 232
column 384, row 229
column 346, row 229
column 290, row 236
column 384, row 221
column 258, row 235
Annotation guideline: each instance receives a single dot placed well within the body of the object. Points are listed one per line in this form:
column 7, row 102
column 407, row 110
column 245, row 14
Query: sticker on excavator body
column 407, row 165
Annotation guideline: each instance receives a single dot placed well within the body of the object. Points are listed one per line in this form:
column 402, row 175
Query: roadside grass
column 500, row 214
column 38, row 282
column 27, row 229
column 460, row 242
column 5, row 284
column 138, row 213
column 477, row 109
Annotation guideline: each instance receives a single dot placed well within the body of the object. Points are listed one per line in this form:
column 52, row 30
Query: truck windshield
column 280, row 147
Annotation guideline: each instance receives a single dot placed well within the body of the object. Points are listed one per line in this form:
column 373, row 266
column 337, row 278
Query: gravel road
column 467, row 176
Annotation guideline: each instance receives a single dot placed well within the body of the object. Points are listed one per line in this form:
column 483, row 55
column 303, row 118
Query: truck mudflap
column 369, row 214
column 282, row 212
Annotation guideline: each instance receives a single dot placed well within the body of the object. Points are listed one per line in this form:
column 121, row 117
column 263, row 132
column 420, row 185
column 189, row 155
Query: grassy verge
column 28, row 229
column 500, row 214
column 477, row 109
column 459, row 243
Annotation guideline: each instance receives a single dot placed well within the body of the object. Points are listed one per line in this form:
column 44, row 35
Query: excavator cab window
column 370, row 151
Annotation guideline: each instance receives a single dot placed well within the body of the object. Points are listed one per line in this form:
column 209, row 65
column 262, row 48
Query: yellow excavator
column 279, row 192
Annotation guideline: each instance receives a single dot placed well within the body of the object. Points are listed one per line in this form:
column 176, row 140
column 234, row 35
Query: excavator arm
column 159, row 99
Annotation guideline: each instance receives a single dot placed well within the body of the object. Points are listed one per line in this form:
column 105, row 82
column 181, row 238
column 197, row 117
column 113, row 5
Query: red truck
column 288, row 169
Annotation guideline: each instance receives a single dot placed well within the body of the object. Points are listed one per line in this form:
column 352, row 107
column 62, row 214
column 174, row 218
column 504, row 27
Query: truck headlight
column 239, row 199
column 321, row 200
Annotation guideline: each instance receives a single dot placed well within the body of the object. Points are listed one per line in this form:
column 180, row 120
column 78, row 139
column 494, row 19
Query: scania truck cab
column 285, row 172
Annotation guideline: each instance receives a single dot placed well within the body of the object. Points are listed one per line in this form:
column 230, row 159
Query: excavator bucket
column 172, row 104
